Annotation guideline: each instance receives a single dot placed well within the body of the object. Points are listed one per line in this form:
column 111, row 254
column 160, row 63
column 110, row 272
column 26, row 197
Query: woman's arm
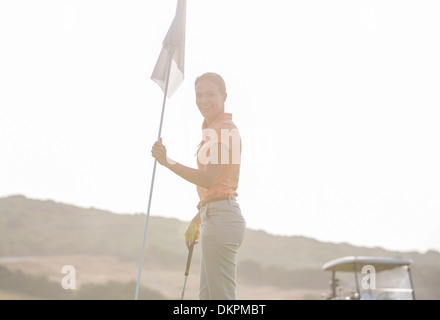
column 203, row 178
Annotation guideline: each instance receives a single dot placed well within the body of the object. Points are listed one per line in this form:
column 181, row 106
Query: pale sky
column 337, row 103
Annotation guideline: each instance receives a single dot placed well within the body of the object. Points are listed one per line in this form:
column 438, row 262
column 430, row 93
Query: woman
column 219, row 221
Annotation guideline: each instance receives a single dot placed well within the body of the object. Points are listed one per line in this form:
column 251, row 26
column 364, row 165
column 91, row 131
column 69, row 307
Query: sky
column 337, row 103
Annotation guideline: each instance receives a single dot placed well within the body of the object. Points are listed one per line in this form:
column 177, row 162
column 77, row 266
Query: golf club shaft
column 188, row 264
column 188, row 261
column 184, row 285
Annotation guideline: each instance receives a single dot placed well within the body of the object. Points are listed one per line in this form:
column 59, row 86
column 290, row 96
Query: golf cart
column 370, row 278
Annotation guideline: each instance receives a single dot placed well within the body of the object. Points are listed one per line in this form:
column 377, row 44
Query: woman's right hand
column 159, row 152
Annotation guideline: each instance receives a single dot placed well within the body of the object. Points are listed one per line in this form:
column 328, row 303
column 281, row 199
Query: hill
column 38, row 236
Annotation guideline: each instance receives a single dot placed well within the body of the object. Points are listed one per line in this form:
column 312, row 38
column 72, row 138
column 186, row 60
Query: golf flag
column 168, row 74
column 172, row 55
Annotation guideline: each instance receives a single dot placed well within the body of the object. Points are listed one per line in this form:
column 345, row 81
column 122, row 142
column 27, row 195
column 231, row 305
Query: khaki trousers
column 222, row 232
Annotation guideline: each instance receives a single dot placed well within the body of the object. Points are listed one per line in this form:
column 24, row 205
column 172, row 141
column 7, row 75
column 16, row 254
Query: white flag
column 172, row 54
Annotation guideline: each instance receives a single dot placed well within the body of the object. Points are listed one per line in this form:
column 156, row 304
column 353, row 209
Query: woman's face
column 209, row 100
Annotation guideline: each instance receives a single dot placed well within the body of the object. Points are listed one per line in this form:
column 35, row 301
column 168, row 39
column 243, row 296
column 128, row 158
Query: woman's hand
column 159, row 152
column 192, row 233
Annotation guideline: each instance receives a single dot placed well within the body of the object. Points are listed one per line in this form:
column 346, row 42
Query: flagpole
column 171, row 53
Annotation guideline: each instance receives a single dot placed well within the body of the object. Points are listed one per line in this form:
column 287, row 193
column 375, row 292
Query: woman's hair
column 215, row 78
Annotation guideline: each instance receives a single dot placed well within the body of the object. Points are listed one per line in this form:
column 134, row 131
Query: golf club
column 188, row 264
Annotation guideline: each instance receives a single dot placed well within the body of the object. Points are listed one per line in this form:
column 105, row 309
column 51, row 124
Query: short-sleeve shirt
column 224, row 131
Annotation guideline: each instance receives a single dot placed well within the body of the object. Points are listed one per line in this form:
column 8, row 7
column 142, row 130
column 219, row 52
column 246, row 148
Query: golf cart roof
column 352, row 263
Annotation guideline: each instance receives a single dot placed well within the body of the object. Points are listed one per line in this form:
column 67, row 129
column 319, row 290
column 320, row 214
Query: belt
column 204, row 202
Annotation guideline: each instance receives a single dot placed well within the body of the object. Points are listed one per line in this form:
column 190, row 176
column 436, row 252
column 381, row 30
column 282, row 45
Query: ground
column 100, row 269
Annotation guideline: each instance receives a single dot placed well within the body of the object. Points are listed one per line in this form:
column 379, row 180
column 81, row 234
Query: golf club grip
column 188, row 261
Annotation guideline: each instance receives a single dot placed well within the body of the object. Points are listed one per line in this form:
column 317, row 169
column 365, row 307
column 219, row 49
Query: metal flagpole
column 171, row 53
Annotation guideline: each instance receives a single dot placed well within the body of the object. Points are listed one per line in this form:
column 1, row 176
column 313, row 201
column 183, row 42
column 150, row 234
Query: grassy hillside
column 40, row 287
column 46, row 228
